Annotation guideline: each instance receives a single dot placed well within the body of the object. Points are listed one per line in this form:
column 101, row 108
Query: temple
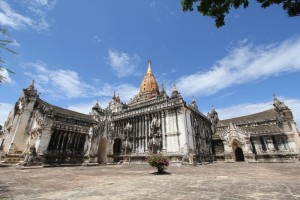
column 267, row 136
column 151, row 122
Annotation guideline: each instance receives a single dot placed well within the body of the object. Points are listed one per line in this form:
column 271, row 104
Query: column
column 64, row 142
column 72, row 144
column 146, row 133
column 70, row 141
column 177, row 129
column 162, row 128
column 136, row 133
column 76, row 142
column 263, row 143
column 256, row 144
column 61, row 134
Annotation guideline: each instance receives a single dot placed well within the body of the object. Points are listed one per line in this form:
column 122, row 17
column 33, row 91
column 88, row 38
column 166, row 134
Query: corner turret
column 214, row 119
column 97, row 112
column 175, row 93
column 194, row 104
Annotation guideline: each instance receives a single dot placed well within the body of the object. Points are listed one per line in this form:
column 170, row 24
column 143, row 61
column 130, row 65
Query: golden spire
column 149, row 70
column 149, row 84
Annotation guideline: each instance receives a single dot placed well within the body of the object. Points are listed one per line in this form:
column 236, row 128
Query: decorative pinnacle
column 31, row 86
column 162, row 87
column 174, row 86
column 149, row 70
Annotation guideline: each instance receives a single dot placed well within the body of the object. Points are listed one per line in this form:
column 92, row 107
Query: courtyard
column 211, row 181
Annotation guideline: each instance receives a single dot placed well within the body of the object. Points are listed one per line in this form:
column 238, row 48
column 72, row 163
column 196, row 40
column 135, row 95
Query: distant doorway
column 239, row 155
column 102, row 151
column 117, row 148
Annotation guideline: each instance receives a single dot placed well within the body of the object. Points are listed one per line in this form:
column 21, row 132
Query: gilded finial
column 149, row 70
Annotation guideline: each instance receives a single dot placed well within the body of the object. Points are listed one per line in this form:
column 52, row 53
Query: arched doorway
column 239, row 155
column 102, row 151
column 238, row 152
column 117, row 148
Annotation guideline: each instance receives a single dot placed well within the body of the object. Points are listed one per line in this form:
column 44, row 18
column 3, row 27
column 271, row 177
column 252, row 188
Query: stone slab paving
column 222, row 181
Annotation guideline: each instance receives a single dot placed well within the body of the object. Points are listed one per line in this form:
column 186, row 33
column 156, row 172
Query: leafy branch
column 4, row 45
column 218, row 9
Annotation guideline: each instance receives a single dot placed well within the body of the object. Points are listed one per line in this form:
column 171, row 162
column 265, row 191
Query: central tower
column 149, row 84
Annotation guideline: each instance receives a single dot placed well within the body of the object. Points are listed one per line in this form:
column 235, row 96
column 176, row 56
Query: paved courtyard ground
column 212, row 181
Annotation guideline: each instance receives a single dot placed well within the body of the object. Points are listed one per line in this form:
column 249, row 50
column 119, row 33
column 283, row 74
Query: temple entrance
column 238, row 152
column 239, row 155
column 117, row 148
column 102, row 151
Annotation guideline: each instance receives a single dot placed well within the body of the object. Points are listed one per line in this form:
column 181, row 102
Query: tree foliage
column 218, row 9
column 4, row 45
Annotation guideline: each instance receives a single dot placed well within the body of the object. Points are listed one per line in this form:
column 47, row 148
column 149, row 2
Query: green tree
column 218, row 9
column 4, row 43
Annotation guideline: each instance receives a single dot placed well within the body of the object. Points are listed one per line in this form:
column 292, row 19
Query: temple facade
column 151, row 122
column 268, row 136
column 57, row 135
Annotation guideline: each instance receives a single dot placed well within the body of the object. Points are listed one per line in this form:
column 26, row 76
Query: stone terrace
column 212, row 181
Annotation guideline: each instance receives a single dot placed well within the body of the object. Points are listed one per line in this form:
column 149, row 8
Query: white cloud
column 39, row 2
column 5, row 108
column 96, row 39
column 36, row 11
column 61, row 83
column 10, row 18
column 122, row 63
column 244, row 64
column 82, row 107
column 227, row 94
column 251, row 108
column 125, row 91
column 243, row 109
column 58, row 83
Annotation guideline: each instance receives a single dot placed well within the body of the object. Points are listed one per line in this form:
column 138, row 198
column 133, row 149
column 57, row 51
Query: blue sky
column 80, row 51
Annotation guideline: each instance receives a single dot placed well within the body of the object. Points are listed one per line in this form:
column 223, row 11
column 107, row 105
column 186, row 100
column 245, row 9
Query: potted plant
column 159, row 161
